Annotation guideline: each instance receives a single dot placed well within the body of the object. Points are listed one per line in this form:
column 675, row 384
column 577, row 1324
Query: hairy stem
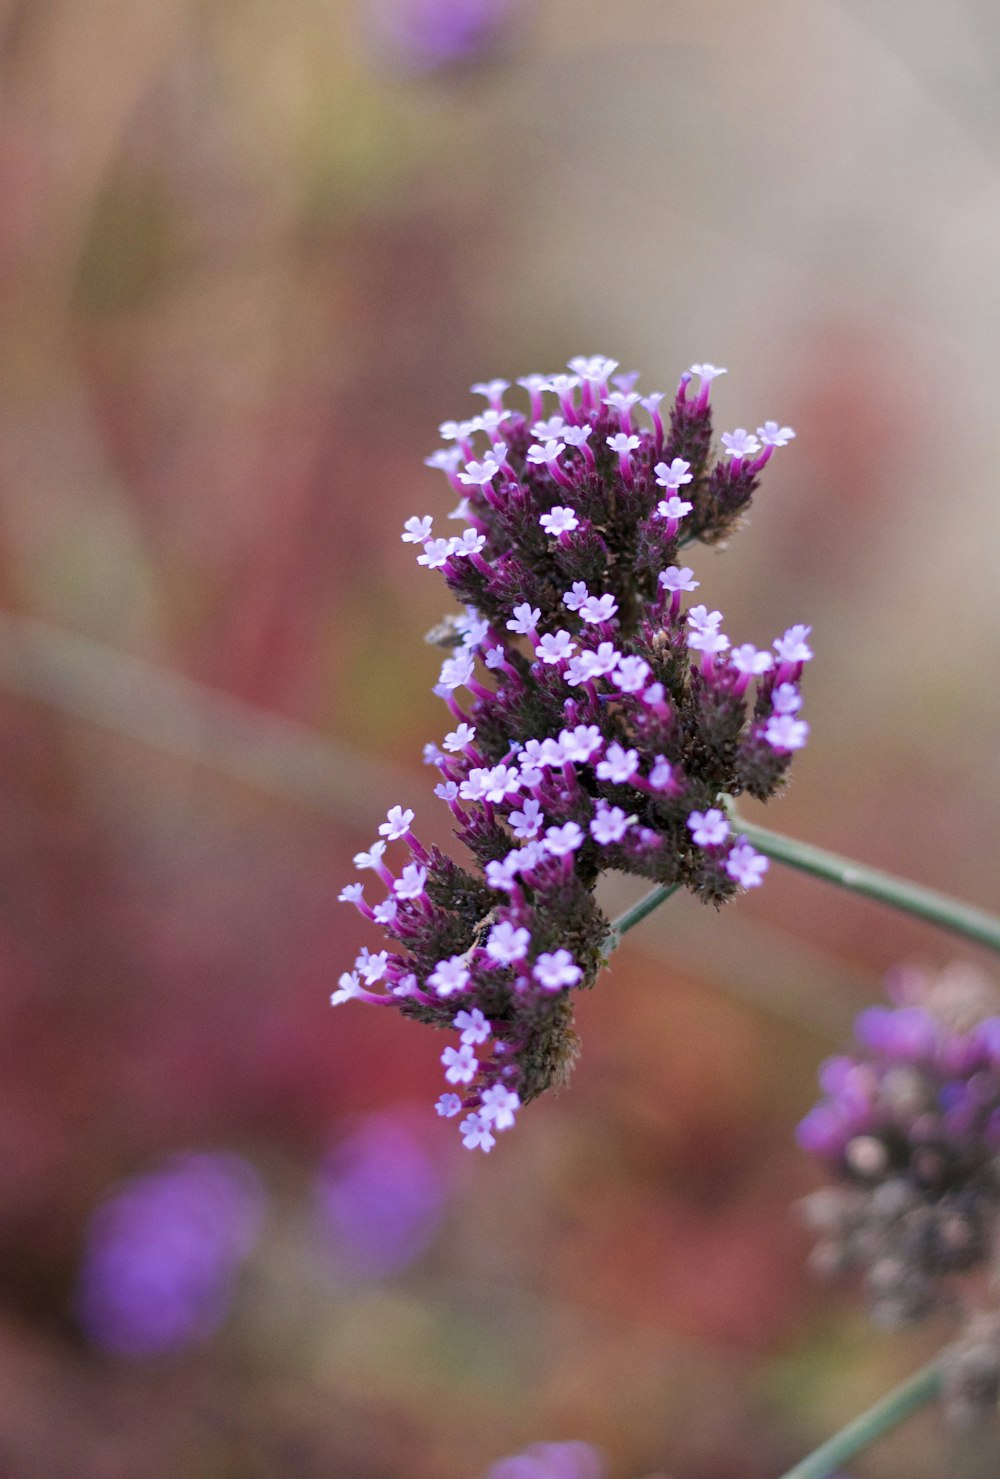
column 872, row 883
column 894, row 1408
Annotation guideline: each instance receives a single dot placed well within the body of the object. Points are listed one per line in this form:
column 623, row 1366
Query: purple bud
column 833, row 1075
column 822, row 1132
column 908, row 1033
column 961, row 1053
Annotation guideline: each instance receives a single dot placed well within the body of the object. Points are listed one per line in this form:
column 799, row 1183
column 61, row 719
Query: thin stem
column 637, row 914
column 899, row 1404
column 899, row 893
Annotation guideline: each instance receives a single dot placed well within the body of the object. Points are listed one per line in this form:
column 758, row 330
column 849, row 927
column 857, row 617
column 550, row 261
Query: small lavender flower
column 162, row 1255
column 910, row 1128
column 596, row 723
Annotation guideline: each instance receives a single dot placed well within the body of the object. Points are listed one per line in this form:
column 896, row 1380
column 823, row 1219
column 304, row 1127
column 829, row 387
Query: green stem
column 899, row 1404
column 637, row 914
column 899, row 893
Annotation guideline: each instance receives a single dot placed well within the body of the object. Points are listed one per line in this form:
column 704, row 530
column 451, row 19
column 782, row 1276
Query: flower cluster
column 910, row 1127
column 597, row 723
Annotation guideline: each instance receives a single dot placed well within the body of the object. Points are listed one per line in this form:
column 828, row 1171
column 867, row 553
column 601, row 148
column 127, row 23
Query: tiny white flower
column 773, row 435
column 707, row 372
column 678, row 579
column 740, row 443
column 478, row 474
column 556, row 970
column 561, row 841
column 476, row 1133
column 674, row 474
column 449, row 976
column 457, row 739
column 786, row 699
column 745, row 865
column 410, row 883
column 747, row 659
column 473, row 1026
column 524, row 619
column 559, row 520
column 461, row 1064
column 609, row 823
column 528, row 821
column 396, row 824
column 619, row 765
column 550, row 430
column 594, row 368
column 793, row 647
column 784, row 732
column 580, row 743
column 417, row 531
column 708, row 828
column 499, row 1106
column 436, row 552
column 632, row 674
column 349, row 986
column 555, row 648
column 598, row 609
column 491, row 389
column 507, row 944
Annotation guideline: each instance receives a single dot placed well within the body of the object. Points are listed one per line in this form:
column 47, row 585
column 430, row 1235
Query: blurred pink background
column 250, row 256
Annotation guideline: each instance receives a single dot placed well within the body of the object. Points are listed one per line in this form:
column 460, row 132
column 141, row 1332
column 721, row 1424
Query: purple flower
column 609, row 727
column 708, row 828
column 556, row 971
column 162, row 1254
column 908, row 1126
column 379, row 1195
column 506, row 943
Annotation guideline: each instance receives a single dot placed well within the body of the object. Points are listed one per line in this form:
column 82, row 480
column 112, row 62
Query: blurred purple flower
column 551, row 1461
column 430, row 35
column 379, row 1197
column 909, row 1125
column 162, row 1253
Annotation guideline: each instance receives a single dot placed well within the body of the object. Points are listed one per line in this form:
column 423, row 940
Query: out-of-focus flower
column 551, row 1461
column 970, row 1370
column 616, row 725
column 162, row 1254
column 436, row 35
column 379, row 1197
column 910, row 1127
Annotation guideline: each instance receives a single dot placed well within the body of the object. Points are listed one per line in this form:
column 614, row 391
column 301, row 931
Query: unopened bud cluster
column 910, row 1128
column 597, row 723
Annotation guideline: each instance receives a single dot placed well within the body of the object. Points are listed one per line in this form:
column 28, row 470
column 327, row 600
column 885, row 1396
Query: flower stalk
column 629, row 918
column 885, row 888
column 909, row 1397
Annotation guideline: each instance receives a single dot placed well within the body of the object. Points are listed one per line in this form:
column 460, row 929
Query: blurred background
column 250, row 256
